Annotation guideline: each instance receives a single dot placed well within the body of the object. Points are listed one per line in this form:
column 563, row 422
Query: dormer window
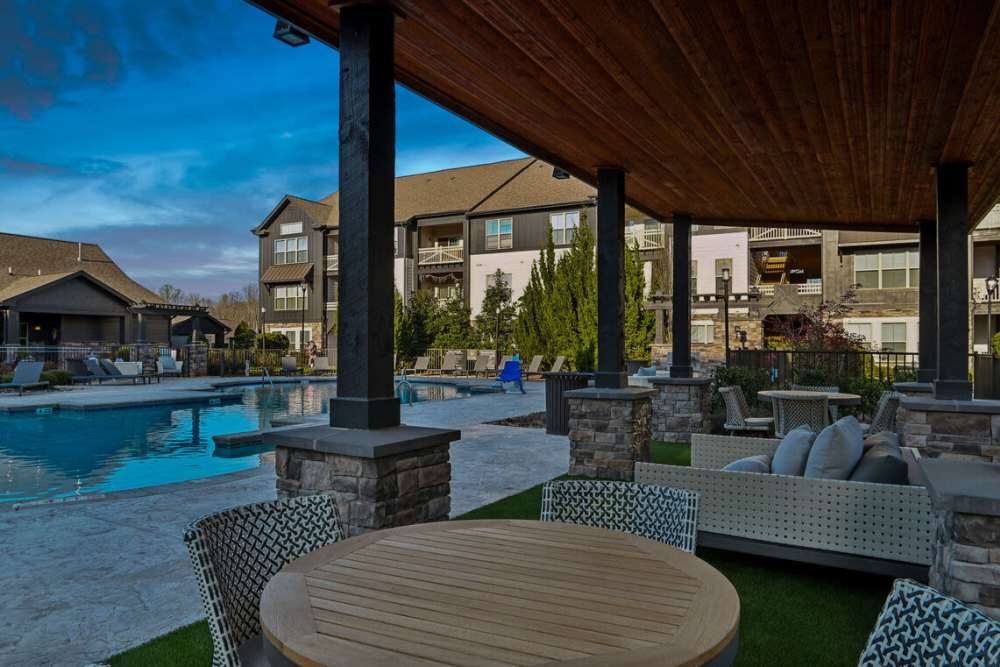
column 289, row 228
column 291, row 251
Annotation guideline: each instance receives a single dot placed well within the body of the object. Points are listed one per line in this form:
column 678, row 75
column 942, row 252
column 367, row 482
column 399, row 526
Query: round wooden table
column 495, row 593
column 834, row 398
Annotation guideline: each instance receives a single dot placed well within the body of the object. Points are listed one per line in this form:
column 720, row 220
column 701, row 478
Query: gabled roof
column 535, row 187
column 318, row 211
column 28, row 256
column 184, row 318
column 27, row 284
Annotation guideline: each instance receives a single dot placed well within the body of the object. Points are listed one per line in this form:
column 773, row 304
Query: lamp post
column 726, row 277
column 302, row 329
column 991, row 293
column 263, row 328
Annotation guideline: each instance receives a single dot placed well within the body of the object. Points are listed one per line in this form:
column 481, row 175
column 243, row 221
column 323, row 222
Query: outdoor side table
column 499, row 593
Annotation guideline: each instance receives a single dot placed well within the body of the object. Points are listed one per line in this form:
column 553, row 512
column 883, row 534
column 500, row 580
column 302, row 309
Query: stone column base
column 950, row 429
column 966, row 498
column 608, row 431
column 147, row 353
column 381, row 478
column 197, row 360
column 681, row 406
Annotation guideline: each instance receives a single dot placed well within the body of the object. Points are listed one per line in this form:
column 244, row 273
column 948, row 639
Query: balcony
column 445, row 254
column 645, row 238
column 332, row 263
column 783, row 234
column 805, row 288
column 331, row 305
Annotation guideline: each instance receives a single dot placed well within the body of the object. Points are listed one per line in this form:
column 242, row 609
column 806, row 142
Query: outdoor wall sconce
column 289, row 34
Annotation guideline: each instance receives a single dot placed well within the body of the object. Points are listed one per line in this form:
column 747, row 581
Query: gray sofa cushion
column 881, row 438
column 836, row 450
column 647, row 371
column 882, row 464
column 793, row 451
column 758, row 463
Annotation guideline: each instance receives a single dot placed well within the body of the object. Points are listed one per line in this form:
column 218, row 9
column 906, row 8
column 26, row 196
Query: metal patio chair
column 738, row 412
column 450, row 363
column 657, row 512
column 811, row 411
column 921, row 626
column 885, row 414
column 825, row 388
column 235, row 553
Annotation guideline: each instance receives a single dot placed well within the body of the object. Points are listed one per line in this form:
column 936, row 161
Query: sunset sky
column 166, row 130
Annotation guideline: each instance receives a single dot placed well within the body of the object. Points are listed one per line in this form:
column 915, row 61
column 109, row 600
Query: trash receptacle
column 556, row 403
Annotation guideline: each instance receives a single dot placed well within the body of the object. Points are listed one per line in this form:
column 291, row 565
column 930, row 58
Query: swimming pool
column 74, row 452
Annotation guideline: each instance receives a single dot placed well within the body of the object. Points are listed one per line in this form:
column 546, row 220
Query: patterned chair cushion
column 920, row 627
column 657, row 512
column 236, row 552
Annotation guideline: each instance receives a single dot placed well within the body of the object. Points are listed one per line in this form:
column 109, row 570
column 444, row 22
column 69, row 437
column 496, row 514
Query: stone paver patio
column 85, row 580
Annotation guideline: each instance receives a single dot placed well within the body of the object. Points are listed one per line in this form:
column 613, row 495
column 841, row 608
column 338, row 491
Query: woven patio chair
column 738, row 412
column 812, row 411
column 885, row 414
column 657, row 512
column 921, row 626
column 558, row 364
column 825, row 388
column 235, row 552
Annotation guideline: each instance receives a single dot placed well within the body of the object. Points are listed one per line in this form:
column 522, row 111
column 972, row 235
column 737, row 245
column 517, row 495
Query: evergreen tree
column 414, row 327
column 530, row 326
column 244, row 337
column 571, row 320
column 638, row 324
column 453, row 325
column 495, row 321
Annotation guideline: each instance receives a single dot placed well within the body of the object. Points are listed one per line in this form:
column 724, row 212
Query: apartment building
column 454, row 229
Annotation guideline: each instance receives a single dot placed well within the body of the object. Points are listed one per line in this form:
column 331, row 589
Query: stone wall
column 371, row 493
column 147, row 353
column 197, row 360
column 949, row 433
column 609, row 430
column 967, row 560
column 681, row 407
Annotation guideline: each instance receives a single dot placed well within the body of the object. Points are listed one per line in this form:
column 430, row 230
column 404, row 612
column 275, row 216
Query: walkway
column 85, row 580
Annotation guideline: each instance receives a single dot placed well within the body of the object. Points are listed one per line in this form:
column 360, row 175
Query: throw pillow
column 759, row 463
column 793, row 451
column 881, row 438
column 882, row 464
column 836, row 450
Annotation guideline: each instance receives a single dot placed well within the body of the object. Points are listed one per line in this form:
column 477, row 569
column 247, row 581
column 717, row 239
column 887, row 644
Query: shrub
column 584, row 361
column 273, row 341
column 57, row 377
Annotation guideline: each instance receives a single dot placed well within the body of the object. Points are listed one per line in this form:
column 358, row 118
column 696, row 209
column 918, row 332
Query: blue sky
column 165, row 130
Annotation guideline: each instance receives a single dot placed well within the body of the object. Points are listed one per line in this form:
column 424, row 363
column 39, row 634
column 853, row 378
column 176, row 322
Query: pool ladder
column 403, row 382
column 266, row 374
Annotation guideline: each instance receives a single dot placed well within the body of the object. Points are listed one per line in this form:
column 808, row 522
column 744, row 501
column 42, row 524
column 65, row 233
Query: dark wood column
column 952, row 381
column 680, row 321
column 365, row 397
column 928, row 370
column 610, row 279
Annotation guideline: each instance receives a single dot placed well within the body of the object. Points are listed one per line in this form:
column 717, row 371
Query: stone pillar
column 381, row 478
column 928, row 302
column 147, row 353
column 950, row 429
column 952, row 380
column 681, row 406
column 197, row 360
column 610, row 279
column 609, row 430
column 966, row 500
column 680, row 324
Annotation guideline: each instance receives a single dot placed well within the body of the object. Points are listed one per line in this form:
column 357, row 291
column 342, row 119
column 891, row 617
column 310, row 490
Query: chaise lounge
column 27, row 375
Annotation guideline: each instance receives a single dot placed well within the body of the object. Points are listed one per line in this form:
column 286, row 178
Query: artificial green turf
column 791, row 613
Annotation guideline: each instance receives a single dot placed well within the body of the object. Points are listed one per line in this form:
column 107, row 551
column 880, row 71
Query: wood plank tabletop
column 495, row 593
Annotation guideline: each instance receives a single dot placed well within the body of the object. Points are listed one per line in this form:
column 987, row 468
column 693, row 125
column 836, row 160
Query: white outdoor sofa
column 879, row 528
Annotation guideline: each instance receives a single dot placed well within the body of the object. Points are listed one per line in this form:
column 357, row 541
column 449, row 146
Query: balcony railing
column 332, row 263
column 331, row 305
column 450, row 254
column 805, row 288
column 783, row 234
column 646, row 239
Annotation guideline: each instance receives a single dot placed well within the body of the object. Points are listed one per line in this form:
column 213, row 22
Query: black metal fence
column 231, row 361
column 822, row 366
column 55, row 357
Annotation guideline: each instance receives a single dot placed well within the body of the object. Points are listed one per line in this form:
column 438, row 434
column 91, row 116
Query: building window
column 291, row 251
column 862, row 330
column 447, row 292
column 702, row 333
column 887, row 270
column 293, row 336
column 289, row 228
column 506, row 278
column 290, row 297
column 894, row 336
column 694, row 276
column 720, row 264
column 500, row 234
column 564, row 226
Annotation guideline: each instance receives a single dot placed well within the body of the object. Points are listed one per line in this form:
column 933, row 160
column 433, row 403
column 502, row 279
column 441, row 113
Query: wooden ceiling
column 809, row 113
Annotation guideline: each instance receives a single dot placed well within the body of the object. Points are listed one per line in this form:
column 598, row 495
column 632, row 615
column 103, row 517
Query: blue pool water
column 72, row 452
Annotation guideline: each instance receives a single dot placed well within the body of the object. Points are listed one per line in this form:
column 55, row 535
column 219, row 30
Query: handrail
column 783, row 233
column 403, row 382
column 451, row 254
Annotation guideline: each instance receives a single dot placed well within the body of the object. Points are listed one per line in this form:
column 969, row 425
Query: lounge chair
column 27, row 375
column 290, row 366
column 322, row 366
column 421, row 365
column 167, row 366
column 482, row 365
column 534, row 368
column 511, row 373
column 79, row 371
column 557, row 366
column 115, row 373
column 450, row 363
column 505, row 358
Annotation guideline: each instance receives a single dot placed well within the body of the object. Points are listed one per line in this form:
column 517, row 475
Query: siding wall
column 530, row 228
column 317, row 247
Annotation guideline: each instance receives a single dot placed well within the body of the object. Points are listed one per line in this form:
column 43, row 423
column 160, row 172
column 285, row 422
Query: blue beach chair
column 511, row 373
